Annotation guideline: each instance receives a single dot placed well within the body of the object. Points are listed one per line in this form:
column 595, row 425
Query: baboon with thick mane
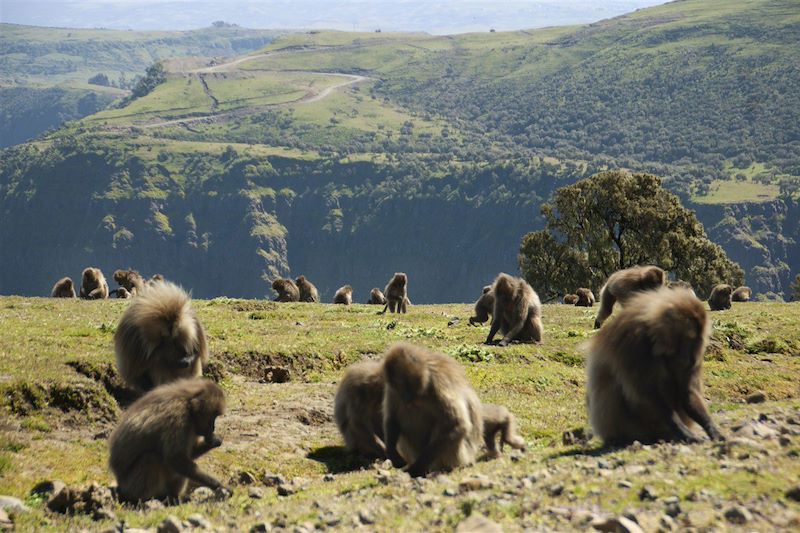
column 93, row 284
column 63, row 288
column 122, row 293
column 585, row 297
column 156, row 278
column 286, row 289
column 308, row 292
column 625, row 284
column 376, row 297
column 517, row 312
column 344, row 295
column 644, row 370
column 358, row 409
column 484, row 307
column 154, row 446
column 159, row 338
column 720, row 297
column 130, row 280
column 396, row 293
column 570, row 299
column 497, row 419
column 431, row 415
column 742, row 294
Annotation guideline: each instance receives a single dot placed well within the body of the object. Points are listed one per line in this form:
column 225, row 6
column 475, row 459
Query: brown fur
column 286, row 289
column 742, row 294
column 159, row 338
column 484, row 307
column 93, row 284
column 625, row 284
column 720, row 298
column 517, row 313
column 376, row 297
column 308, row 292
column 156, row 278
column 497, row 419
column 431, row 415
column 130, row 280
column 585, row 297
column 123, row 293
column 158, row 438
column 570, row 299
column 644, row 370
column 357, row 409
column 344, row 295
column 63, row 288
column 680, row 284
column 396, row 293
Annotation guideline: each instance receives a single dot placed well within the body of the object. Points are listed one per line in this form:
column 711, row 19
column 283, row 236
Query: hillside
column 60, row 397
column 387, row 151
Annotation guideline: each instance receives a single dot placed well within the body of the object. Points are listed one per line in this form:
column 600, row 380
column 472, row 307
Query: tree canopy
column 614, row 220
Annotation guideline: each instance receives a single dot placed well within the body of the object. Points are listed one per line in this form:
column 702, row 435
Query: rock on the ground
column 198, row 520
column 794, row 493
column 756, row 397
column 738, row 515
column 13, row 505
column 619, row 524
column 478, row 524
column 170, row 524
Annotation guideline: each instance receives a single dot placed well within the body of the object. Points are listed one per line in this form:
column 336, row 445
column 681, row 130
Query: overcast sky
column 453, row 16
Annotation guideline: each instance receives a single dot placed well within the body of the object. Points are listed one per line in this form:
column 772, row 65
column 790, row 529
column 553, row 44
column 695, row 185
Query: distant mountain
column 349, row 156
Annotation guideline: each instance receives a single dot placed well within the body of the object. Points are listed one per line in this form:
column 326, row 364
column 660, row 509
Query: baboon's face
column 179, row 351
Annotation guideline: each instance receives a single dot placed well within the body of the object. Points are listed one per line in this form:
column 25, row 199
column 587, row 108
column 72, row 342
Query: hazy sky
column 404, row 15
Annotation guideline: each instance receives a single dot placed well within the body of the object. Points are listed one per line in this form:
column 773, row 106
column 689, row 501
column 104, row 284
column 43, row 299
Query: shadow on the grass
column 338, row 460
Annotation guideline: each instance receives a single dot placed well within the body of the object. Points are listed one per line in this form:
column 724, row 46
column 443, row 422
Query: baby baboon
column 308, row 292
column 344, row 295
column 376, row 297
column 357, row 409
column 63, row 289
column 396, row 293
column 286, row 289
column 497, row 419
column 431, row 416
column 130, row 280
column 624, row 284
column 93, row 284
column 585, row 297
column 158, row 438
column 720, row 297
column 570, row 299
column 644, row 370
column 123, row 293
column 517, row 311
column 483, row 307
column 680, row 284
column 159, row 338
column 742, row 294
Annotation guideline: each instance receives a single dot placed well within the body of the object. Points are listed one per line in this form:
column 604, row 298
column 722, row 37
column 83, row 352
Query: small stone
column 561, row 512
column 450, row 491
column 582, row 517
column 286, row 489
column 666, row 523
column 170, row 525
column 573, row 437
column 784, row 441
column 625, row 484
column 616, row 525
column 794, row 493
column 603, row 464
column 103, row 514
column 474, row 483
column 245, row 478
column 738, row 515
column 756, row 397
column 13, row 505
column 453, row 322
column 197, row 520
column 272, row 480
column 202, row 494
column 478, row 524
column 153, row 505
column 261, row 527
column 672, row 506
column 556, row 489
column 222, row 493
column 648, row 494
column 256, row 493
column 328, row 477
column 4, row 519
column 366, row 517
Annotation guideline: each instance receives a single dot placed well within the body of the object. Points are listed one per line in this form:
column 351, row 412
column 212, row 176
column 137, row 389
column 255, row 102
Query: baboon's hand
column 504, row 342
column 416, row 470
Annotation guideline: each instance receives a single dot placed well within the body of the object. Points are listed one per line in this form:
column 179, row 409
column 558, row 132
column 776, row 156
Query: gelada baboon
column 286, row 289
column 585, row 297
column 396, row 293
column 160, row 435
column 431, row 416
column 680, row 284
column 155, row 279
column 497, row 419
column 517, row 313
column 484, row 307
column 63, row 289
column 357, row 409
column 376, row 297
column 742, row 294
column 570, row 299
column 308, row 292
column 123, row 293
column 159, row 338
column 344, row 295
column 93, row 284
column 644, row 370
column 720, row 297
column 130, row 280
column 624, row 284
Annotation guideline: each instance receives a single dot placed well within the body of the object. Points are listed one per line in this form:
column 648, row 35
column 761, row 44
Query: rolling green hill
column 348, row 156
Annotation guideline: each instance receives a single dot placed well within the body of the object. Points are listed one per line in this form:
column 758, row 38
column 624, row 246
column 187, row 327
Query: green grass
column 541, row 384
column 734, row 191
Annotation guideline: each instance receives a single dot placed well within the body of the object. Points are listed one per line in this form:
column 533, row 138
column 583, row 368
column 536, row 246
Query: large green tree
column 615, row 220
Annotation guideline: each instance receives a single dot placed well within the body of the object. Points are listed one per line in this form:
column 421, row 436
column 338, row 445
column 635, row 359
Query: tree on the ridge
column 615, row 220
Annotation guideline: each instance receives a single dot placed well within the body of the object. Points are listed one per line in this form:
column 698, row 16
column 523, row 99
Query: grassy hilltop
column 59, row 390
